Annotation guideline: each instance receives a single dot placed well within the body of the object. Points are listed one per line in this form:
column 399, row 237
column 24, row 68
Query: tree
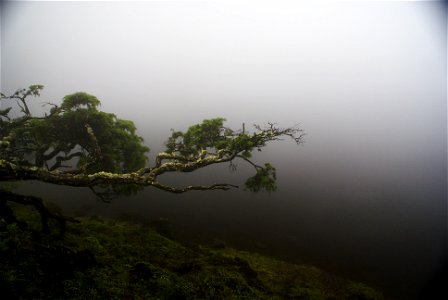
column 76, row 144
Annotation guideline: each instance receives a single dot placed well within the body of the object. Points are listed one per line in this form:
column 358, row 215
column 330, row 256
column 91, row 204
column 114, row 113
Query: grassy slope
column 105, row 259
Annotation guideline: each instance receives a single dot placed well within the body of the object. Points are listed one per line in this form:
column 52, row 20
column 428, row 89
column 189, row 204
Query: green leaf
column 80, row 100
column 264, row 179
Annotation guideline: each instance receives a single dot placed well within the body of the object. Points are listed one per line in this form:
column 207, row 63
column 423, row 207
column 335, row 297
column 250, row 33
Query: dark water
column 383, row 224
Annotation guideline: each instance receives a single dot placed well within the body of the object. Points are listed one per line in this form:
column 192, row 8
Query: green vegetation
column 77, row 139
column 76, row 144
column 106, row 259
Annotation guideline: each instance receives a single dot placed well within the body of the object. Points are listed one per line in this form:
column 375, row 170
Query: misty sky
column 366, row 80
column 364, row 75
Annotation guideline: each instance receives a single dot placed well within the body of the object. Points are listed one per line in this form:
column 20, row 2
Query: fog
column 365, row 196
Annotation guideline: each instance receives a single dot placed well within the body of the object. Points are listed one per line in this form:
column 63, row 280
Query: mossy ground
column 106, row 259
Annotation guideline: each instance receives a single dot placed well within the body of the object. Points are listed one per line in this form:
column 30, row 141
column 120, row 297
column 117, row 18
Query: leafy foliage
column 208, row 134
column 77, row 144
column 100, row 141
column 80, row 100
column 265, row 178
column 212, row 137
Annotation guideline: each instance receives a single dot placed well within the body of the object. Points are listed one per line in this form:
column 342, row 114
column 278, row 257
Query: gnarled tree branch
column 112, row 157
column 176, row 190
column 39, row 205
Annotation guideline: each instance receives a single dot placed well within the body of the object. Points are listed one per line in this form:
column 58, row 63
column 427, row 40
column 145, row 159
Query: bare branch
column 10, row 171
column 273, row 133
column 216, row 186
column 170, row 156
column 94, row 141
column 105, row 195
column 202, row 145
column 44, row 211
column 60, row 159
column 249, row 161
column 177, row 166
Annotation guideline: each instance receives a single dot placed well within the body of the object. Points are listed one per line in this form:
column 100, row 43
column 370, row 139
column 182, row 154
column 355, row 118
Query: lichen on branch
column 76, row 144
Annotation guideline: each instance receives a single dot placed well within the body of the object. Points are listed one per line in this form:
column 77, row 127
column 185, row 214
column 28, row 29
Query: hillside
column 107, row 259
